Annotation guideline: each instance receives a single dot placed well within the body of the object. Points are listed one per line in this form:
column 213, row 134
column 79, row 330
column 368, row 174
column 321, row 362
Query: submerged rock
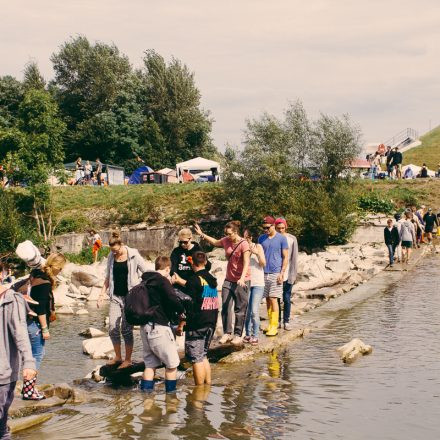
column 16, row 425
column 353, row 349
column 65, row 310
column 82, row 312
column 92, row 332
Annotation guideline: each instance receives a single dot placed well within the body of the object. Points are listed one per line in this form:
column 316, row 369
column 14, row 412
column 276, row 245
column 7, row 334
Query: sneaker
column 247, row 339
column 254, row 341
column 287, row 326
column 225, row 338
column 237, row 340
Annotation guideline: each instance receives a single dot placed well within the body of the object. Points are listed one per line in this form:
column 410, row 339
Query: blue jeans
column 253, row 312
column 391, row 249
column 37, row 342
column 287, row 293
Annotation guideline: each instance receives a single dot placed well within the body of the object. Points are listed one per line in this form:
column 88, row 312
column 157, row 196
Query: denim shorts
column 197, row 344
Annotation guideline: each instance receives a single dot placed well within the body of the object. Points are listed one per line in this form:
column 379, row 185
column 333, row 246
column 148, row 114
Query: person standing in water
column 407, row 236
column 235, row 290
column 291, row 271
column 392, row 239
column 124, row 270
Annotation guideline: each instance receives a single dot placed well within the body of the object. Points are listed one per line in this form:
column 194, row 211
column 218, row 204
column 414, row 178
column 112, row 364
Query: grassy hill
column 428, row 152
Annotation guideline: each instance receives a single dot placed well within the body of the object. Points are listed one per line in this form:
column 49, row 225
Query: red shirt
column 235, row 261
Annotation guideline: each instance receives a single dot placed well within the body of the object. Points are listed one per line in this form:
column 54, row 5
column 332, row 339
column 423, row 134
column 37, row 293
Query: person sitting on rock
column 42, row 282
column 125, row 267
column 201, row 320
column 159, row 346
column 14, row 345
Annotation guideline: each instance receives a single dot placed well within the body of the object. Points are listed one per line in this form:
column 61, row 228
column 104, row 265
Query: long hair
column 54, row 261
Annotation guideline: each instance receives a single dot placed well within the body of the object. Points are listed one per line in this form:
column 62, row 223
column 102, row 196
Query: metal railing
column 405, row 136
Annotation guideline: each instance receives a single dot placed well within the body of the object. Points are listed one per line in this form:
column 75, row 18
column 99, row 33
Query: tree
column 33, row 78
column 169, row 96
column 11, row 95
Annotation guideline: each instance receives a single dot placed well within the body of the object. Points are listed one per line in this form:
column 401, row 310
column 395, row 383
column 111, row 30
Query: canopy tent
column 199, row 167
column 135, row 177
column 411, row 171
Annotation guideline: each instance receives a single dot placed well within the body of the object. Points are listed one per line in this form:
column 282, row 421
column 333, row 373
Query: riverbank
column 323, row 303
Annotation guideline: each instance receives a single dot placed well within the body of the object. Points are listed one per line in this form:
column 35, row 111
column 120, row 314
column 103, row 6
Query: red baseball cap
column 269, row 220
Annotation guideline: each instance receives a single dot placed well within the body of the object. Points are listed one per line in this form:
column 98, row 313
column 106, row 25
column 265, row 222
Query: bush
column 375, row 204
column 86, row 257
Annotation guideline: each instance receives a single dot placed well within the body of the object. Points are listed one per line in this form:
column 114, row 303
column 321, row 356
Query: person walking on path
column 124, row 269
column 95, row 241
column 407, row 236
column 257, row 263
column 291, row 271
column 201, row 320
column 235, row 290
column 181, row 268
column 159, row 345
column 42, row 282
column 430, row 219
column 276, row 251
column 398, row 224
column 14, row 346
column 392, row 239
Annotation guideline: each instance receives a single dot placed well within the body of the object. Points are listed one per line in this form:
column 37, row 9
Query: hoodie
column 202, row 288
column 162, row 297
column 14, row 338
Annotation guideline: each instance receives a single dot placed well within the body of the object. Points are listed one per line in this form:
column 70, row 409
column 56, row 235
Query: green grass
column 79, row 208
column 428, row 152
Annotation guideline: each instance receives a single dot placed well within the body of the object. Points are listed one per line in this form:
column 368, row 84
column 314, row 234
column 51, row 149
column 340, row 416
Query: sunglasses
column 183, row 241
column 267, row 227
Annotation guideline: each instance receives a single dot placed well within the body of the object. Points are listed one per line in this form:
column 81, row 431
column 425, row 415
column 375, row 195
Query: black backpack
column 138, row 309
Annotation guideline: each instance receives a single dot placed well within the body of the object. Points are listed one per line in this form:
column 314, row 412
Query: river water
column 303, row 392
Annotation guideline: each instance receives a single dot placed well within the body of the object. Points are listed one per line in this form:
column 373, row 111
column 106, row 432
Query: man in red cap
column 291, row 270
column 276, row 251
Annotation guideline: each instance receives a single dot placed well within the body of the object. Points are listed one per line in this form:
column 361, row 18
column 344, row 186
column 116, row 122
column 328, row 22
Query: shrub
column 375, row 204
column 86, row 257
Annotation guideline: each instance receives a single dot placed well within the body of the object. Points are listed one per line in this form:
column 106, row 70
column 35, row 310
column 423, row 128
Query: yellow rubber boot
column 273, row 324
column 269, row 314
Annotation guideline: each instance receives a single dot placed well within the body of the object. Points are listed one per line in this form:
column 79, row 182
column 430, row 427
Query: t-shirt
column 273, row 250
column 202, row 288
column 235, row 259
column 120, row 277
column 257, row 272
column 179, row 261
column 429, row 220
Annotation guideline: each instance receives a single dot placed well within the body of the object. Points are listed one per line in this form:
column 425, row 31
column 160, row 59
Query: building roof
column 360, row 163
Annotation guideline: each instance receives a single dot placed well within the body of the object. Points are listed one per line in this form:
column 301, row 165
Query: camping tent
column 199, row 167
column 135, row 177
column 416, row 170
column 172, row 178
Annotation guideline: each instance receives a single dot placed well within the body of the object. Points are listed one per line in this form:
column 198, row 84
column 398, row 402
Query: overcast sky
column 378, row 60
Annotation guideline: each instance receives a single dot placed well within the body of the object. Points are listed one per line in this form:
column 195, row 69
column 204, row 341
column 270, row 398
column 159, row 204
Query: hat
column 30, row 254
column 281, row 220
column 269, row 220
column 429, row 209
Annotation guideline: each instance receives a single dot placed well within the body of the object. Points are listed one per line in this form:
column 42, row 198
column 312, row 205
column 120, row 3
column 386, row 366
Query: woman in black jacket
column 42, row 283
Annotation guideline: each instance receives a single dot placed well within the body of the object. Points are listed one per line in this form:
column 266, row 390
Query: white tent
column 416, row 170
column 198, row 168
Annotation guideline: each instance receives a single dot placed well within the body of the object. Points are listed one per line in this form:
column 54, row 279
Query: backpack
column 138, row 309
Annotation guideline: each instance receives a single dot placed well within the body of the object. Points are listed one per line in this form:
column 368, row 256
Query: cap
column 269, row 220
column 30, row 254
column 281, row 220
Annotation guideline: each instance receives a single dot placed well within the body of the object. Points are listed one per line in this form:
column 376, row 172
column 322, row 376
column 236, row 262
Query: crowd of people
column 86, row 174
column 179, row 297
column 409, row 232
column 390, row 158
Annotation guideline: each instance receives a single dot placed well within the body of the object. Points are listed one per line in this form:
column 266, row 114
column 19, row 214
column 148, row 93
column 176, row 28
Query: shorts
column 96, row 246
column 407, row 244
column 159, row 346
column 197, row 344
column 271, row 288
column 429, row 229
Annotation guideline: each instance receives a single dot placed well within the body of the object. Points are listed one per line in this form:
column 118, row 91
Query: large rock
column 97, row 347
column 65, row 310
column 353, row 349
column 92, row 332
column 61, row 296
column 22, row 423
column 94, row 294
column 85, row 291
column 84, row 277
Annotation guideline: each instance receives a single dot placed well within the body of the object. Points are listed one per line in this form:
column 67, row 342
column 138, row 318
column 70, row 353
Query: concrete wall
column 149, row 241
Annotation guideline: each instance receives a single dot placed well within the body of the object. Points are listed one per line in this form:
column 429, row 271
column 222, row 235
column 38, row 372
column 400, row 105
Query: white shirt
column 257, row 272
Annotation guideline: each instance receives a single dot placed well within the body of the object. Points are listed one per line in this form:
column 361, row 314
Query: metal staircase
column 403, row 138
